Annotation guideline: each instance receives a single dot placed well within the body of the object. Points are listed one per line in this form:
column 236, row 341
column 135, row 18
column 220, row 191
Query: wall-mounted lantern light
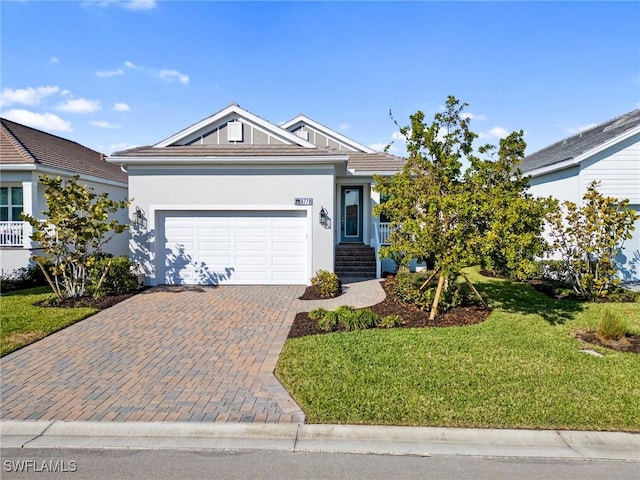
column 325, row 221
column 138, row 217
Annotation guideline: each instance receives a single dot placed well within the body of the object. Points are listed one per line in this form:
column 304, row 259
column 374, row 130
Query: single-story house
column 27, row 153
column 236, row 199
column 610, row 153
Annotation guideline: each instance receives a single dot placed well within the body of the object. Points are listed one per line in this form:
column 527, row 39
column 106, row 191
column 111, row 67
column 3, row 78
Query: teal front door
column 351, row 225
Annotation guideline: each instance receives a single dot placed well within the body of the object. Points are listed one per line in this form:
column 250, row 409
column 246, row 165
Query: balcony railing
column 11, row 234
column 384, row 229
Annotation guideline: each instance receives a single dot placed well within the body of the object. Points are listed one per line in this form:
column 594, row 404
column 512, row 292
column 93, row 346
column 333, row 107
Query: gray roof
column 368, row 162
column 20, row 144
column 581, row 143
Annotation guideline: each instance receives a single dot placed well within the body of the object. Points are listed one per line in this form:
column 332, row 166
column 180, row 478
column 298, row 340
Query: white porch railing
column 11, row 234
column 384, row 229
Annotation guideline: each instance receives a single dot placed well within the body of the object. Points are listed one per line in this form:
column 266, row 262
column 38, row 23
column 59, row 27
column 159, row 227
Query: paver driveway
column 167, row 354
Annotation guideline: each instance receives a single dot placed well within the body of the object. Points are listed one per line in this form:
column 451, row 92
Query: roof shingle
column 576, row 145
column 20, row 144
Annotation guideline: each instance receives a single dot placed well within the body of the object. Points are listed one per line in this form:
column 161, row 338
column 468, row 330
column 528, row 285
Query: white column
column 29, row 202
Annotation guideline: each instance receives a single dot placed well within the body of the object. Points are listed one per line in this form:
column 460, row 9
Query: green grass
column 23, row 323
column 519, row 369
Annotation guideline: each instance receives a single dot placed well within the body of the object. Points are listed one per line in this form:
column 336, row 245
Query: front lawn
column 23, row 322
column 521, row 368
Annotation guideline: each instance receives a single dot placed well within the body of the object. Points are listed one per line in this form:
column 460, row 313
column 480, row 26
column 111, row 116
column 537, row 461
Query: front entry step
column 355, row 260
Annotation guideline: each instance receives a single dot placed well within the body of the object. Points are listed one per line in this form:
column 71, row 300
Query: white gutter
column 177, row 160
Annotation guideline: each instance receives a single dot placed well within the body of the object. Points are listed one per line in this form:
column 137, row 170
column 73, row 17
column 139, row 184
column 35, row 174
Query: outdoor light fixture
column 138, row 217
column 325, row 221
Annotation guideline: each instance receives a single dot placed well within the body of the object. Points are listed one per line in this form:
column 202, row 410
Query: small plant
column 359, row 319
column 111, row 276
column 611, row 327
column 329, row 321
column 327, row 283
column 25, row 277
column 390, row 321
column 318, row 314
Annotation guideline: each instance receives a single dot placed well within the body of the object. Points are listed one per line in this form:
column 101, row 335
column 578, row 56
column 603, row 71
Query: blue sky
column 113, row 75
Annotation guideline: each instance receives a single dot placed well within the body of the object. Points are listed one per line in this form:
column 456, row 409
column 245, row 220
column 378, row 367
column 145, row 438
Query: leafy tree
column 75, row 230
column 589, row 237
column 510, row 219
column 452, row 217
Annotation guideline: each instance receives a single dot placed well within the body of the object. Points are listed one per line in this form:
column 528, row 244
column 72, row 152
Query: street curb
column 389, row 440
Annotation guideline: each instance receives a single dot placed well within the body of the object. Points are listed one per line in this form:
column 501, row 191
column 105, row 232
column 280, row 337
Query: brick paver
column 199, row 354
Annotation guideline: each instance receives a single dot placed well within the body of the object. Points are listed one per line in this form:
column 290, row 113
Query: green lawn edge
column 521, row 368
column 22, row 322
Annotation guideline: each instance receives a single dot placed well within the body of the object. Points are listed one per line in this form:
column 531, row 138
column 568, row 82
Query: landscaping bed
column 412, row 317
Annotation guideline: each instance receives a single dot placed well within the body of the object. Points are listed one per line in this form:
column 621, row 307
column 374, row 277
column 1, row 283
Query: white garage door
column 209, row 248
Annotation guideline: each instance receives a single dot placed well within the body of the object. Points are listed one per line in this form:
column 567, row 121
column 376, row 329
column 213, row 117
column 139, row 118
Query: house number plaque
column 305, row 201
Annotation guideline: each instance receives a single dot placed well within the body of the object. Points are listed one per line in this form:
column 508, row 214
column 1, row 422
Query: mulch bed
column 412, row 317
column 101, row 303
column 630, row 343
column 312, row 293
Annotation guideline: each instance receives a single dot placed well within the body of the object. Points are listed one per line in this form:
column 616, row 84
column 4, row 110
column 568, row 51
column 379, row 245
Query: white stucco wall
column 157, row 190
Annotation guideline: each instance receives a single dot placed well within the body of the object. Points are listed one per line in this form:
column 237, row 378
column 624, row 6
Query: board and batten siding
column 618, row 170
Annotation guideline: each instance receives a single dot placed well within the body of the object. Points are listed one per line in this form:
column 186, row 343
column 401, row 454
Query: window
column 11, row 203
column 383, row 217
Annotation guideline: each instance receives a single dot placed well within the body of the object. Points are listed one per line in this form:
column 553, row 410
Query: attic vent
column 234, row 131
column 303, row 134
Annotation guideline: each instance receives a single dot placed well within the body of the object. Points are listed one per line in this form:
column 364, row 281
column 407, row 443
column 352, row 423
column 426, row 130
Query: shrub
column 359, row 319
column 390, row 321
column 588, row 238
column 328, row 321
column 407, row 289
column 611, row 327
column 25, row 277
column 317, row 314
column 327, row 283
column 119, row 277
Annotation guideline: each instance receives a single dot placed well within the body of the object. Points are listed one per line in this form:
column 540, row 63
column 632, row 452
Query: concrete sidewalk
column 424, row 441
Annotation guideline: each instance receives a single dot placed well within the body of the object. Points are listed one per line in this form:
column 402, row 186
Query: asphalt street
column 110, row 464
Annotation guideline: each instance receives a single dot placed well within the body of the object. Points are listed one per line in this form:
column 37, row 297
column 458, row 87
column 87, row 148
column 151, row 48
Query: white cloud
column 54, row 60
column 80, row 105
column 139, row 4
column 131, row 65
column 110, row 73
column 343, row 126
column 121, row 107
column 126, row 4
column 26, row 96
column 104, row 124
column 46, row 121
column 171, row 75
column 399, row 136
column 498, row 132
column 473, row 116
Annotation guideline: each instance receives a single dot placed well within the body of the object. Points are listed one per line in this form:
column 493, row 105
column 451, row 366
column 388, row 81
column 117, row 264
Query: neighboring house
column 610, row 153
column 27, row 153
column 237, row 199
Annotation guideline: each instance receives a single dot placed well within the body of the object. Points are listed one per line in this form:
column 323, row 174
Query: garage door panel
column 281, row 246
column 234, row 247
column 207, row 247
column 251, row 232
column 288, row 260
column 254, row 261
column 214, row 232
